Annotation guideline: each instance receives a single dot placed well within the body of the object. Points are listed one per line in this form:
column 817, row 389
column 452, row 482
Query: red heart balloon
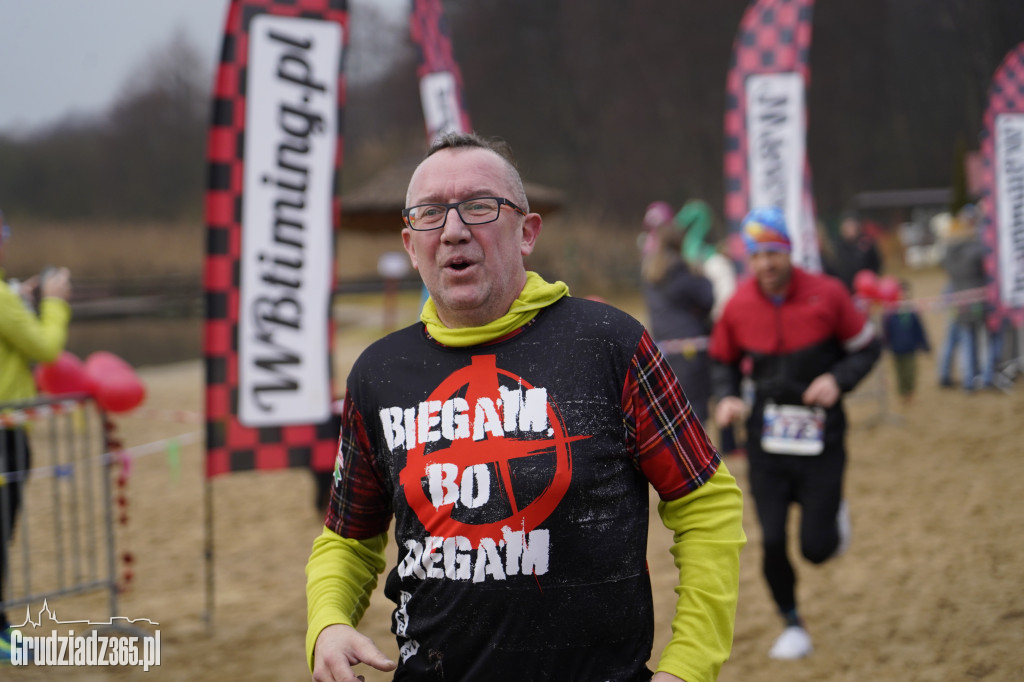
column 116, row 386
column 63, row 376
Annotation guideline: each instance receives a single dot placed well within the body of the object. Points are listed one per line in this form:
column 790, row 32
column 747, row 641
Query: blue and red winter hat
column 764, row 229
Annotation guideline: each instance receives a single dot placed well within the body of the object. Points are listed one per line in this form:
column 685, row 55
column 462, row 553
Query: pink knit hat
column 658, row 213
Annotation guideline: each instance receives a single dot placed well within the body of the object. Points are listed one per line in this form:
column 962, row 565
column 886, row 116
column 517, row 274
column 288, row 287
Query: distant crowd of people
column 969, row 327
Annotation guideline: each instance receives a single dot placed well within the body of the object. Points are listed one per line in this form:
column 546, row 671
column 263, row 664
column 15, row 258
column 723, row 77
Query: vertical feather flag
column 274, row 155
column 1002, row 201
column 765, row 121
column 444, row 110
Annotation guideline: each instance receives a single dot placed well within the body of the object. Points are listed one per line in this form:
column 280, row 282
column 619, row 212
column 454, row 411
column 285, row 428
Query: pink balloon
column 116, row 386
column 865, row 283
column 63, row 376
column 889, row 290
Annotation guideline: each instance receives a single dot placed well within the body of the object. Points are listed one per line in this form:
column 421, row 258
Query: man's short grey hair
column 495, row 145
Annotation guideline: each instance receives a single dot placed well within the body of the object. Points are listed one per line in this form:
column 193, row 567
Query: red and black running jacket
column 815, row 328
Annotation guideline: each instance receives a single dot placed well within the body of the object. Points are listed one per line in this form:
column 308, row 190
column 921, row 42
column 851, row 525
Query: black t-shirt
column 521, row 519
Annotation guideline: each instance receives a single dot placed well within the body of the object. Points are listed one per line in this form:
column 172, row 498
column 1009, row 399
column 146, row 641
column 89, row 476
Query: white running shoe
column 793, row 643
column 845, row 528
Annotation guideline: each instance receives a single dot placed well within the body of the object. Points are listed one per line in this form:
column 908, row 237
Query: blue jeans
column 994, row 351
column 964, row 336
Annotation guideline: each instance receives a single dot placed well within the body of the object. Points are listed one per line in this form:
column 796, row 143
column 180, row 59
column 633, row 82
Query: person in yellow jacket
column 25, row 339
column 512, row 437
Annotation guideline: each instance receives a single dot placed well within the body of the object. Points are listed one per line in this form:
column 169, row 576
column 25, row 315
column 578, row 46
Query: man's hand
column 823, row 391
column 338, row 648
column 728, row 410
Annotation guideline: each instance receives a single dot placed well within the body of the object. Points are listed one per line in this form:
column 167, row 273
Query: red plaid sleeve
column 666, row 439
column 360, row 506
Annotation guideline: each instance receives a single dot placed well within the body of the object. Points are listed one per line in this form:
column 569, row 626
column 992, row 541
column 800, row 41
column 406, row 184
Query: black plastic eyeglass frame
column 448, row 207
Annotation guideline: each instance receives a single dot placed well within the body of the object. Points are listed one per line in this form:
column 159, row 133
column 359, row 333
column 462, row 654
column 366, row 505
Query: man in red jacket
column 808, row 345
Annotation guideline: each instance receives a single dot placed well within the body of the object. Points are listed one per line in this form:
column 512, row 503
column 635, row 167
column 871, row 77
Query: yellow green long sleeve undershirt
column 340, row 577
column 707, row 539
column 342, row 574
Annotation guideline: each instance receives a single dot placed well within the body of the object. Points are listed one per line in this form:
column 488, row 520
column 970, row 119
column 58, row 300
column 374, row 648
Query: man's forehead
column 770, row 253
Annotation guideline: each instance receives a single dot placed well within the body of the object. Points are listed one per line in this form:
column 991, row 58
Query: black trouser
column 813, row 482
column 15, row 460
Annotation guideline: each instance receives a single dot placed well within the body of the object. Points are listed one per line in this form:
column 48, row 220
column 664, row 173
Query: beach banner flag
column 444, row 109
column 272, row 208
column 765, row 121
column 1002, row 200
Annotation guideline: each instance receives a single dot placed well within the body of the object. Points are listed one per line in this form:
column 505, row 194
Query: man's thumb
column 372, row 656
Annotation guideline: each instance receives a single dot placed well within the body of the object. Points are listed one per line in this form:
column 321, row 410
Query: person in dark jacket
column 679, row 304
column 854, row 251
column 904, row 336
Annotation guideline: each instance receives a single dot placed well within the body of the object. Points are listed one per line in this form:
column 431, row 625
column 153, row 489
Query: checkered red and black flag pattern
column 774, row 36
column 1006, row 96
column 231, row 446
column 428, row 29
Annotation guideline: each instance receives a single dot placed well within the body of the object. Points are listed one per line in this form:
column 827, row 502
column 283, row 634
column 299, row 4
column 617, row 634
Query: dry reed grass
column 593, row 256
column 106, row 250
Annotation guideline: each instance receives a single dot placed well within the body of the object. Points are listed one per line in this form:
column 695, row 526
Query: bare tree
column 618, row 103
column 155, row 134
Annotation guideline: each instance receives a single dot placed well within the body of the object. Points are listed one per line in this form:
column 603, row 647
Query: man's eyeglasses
column 478, row 211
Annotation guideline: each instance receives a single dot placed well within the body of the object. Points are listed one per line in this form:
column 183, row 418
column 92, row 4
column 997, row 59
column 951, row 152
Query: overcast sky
column 59, row 57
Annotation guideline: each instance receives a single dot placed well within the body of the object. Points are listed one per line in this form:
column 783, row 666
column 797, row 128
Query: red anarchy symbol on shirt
column 481, row 379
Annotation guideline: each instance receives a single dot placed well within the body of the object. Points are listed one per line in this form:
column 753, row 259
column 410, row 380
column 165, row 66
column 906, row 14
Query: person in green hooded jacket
column 26, row 337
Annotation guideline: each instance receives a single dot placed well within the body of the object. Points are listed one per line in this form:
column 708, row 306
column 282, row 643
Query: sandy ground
column 931, row 588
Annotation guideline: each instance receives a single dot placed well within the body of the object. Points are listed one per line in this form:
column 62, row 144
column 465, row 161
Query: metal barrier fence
column 61, row 541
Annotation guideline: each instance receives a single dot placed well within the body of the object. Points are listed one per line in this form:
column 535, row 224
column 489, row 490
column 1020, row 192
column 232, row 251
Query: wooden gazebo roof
column 376, row 205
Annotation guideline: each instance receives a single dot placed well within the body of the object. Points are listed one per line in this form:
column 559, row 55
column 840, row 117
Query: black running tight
column 815, row 483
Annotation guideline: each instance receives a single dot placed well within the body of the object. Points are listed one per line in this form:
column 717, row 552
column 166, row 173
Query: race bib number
column 793, row 430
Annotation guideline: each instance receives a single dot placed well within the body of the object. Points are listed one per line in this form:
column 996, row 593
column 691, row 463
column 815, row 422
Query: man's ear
column 407, row 243
column 531, row 230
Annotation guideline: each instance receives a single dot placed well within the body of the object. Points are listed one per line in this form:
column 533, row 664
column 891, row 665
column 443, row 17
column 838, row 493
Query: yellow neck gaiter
column 536, row 294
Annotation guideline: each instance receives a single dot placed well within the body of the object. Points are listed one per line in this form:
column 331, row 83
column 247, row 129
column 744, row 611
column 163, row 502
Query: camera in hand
column 37, row 295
